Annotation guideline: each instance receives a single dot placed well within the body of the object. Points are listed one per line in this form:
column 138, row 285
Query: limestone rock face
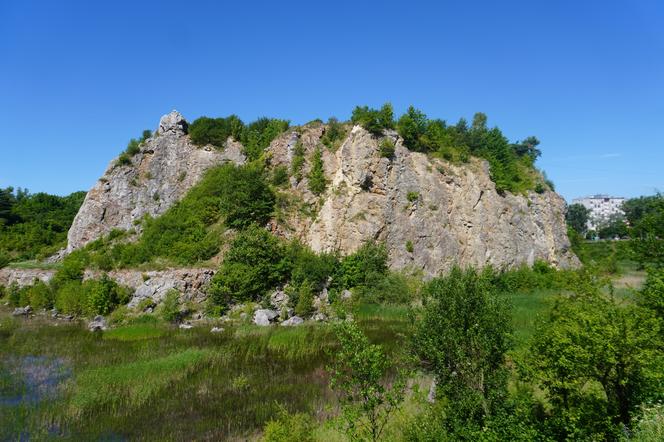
column 167, row 165
column 431, row 214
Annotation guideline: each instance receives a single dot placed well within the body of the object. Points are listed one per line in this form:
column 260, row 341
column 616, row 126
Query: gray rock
column 264, row 316
column 216, row 330
column 292, row 321
column 346, row 294
column 279, row 299
column 186, row 326
column 97, row 324
column 167, row 166
column 319, row 317
column 173, row 123
column 22, row 311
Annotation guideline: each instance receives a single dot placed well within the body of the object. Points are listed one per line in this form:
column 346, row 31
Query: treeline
column 34, row 225
column 643, row 224
column 512, row 164
column 255, row 136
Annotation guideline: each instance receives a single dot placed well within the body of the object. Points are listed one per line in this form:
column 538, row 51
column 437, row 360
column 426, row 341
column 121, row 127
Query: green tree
column 462, row 336
column 246, row 196
column 362, row 266
column 317, row 180
column 359, row 376
column 254, row 264
column 577, row 218
column 170, row 308
column 597, row 361
column 411, row 127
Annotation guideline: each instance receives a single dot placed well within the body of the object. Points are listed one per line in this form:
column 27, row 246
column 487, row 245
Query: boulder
column 263, row 317
column 279, row 299
column 292, row 321
column 186, row 326
column 319, row 317
column 98, row 324
column 346, row 294
column 216, row 330
column 22, row 311
column 172, row 122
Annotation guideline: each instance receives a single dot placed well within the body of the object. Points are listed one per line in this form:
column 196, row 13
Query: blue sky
column 78, row 79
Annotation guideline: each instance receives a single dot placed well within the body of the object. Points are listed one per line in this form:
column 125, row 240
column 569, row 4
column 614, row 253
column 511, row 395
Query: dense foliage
column 646, row 219
column 34, row 225
column 463, row 336
column 255, row 136
column 576, row 217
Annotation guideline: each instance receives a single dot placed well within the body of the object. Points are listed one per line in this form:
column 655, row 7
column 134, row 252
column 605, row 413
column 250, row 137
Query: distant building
column 601, row 207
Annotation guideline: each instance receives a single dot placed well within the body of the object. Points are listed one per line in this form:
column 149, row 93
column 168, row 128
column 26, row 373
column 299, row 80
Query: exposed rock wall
column 191, row 283
column 445, row 214
column 431, row 214
column 159, row 175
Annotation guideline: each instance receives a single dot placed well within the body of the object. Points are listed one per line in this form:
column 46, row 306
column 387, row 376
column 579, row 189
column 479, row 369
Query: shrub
column 253, row 265
column 123, row 160
column 4, row 258
column 71, row 298
column 392, row 288
column 40, row 296
column 386, row 148
column 360, row 267
column 316, row 178
column 170, row 309
column 298, row 427
column 104, row 295
column 280, row 176
column 215, row 131
column 258, row 135
column 305, row 265
column 305, row 300
column 297, row 161
column 412, row 196
column 409, row 246
column 334, row 132
column 246, row 197
column 463, row 337
column 14, row 294
column 375, row 121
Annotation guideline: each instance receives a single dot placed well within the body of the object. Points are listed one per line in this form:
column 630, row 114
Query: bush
column 254, row 264
column 375, row 121
column 246, row 197
column 298, row 427
column 71, row 298
column 392, row 288
column 40, row 296
column 386, row 148
column 298, row 161
column 362, row 266
column 305, row 265
column 463, row 336
column 316, row 178
column 258, row 135
column 104, row 295
column 305, row 300
column 14, row 295
column 215, row 131
column 333, row 133
column 4, row 258
column 170, row 309
column 280, row 176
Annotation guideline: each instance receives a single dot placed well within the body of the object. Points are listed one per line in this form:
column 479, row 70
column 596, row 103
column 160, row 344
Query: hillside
column 430, row 213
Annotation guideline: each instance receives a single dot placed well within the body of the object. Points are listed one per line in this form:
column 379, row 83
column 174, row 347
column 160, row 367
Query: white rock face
column 167, row 166
column 449, row 214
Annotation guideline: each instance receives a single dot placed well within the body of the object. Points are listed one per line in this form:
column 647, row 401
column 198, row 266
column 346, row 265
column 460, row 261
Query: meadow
column 149, row 380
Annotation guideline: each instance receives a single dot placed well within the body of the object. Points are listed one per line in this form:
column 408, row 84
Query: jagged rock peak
column 174, row 123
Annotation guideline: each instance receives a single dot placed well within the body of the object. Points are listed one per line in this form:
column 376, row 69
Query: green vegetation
column 373, row 120
column 334, row 133
column 512, row 164
column 298, row 161
column 133, row 147
column 316, row 177
column 255, row 137
column 577, row 218
column 34, row 225
column 386, row 148
column 359, row 375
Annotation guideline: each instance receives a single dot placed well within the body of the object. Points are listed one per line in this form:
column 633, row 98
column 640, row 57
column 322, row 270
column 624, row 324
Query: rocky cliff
column 430, row 213
column 167, row 165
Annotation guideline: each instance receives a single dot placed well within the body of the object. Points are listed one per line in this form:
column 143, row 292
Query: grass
column 135, row 332
column 35, row 264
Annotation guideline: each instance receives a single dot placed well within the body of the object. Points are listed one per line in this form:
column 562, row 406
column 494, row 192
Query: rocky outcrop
column 430, row 213
column 23, row 277
column 153, row 285
column 190, row 283
column 167, row 165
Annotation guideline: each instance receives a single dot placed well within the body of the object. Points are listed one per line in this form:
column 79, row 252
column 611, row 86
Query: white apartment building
column 601, row 208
